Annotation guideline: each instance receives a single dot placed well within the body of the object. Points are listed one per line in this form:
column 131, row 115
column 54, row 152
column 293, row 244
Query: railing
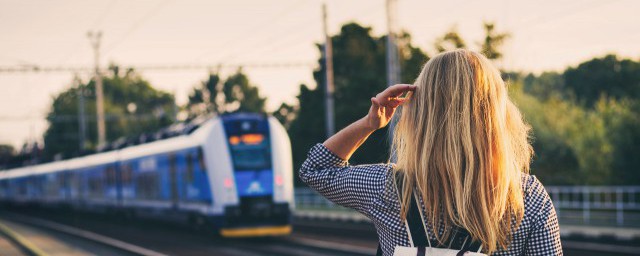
column 597, row 205
column 575, row 205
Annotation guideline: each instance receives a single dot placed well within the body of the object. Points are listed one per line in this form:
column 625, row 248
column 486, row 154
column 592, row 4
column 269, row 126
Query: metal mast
column 95, row 37
column 328, row 58
column 393, row 65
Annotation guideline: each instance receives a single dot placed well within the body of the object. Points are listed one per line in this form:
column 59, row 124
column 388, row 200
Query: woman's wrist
column 366, row 124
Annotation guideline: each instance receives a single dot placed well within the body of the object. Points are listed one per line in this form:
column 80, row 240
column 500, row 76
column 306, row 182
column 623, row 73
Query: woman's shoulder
column 536, row 197
column 531, row 186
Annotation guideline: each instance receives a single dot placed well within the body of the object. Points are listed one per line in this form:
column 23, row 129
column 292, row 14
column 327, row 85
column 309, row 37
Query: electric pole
column 95, row 37
column 328, row 88
column 393, row 64
column 81, row 118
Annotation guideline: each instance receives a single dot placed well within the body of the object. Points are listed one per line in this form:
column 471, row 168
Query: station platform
column 7, row 247
column 17, row 238
column 618, row 233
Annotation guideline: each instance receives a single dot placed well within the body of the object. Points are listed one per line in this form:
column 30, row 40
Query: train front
column 258, row 196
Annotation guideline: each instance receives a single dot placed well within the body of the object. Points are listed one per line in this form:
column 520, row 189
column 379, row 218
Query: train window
column 201, row 160
column 74, row 184
column 96, row 183
column 252, row 154
column 22, row 187
column 111, row 175
column 126, row 173
column 31, row 183
column 189, row 167
column 4, row 188
column 147, row 185
column 51, row 185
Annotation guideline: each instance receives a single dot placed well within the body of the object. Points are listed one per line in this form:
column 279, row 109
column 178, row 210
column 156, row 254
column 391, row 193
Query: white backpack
column 417, row 232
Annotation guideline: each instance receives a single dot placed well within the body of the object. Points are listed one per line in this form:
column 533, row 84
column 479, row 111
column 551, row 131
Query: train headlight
column 278, row 180
column 228, row 183
column 228, row 186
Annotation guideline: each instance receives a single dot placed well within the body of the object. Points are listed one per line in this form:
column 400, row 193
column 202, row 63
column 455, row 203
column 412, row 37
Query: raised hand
column 384, row 105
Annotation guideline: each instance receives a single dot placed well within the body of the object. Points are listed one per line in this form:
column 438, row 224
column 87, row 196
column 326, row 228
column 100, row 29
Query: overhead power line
column 136, row 25
column 259, row 27
column 166, row 67
column 282, row 41
column 74, row 118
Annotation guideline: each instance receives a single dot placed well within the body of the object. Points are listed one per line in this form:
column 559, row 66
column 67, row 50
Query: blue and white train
column 233, row 173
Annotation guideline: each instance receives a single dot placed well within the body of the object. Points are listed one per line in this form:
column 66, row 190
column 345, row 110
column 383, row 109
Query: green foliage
column 359, row 73
column 451, row 40
column 590, row 113
column 239, row 92
column 6, row 154
column 622, row 119
column 204, row 99
column 131, row 106
column 545, row 86
column 285, row 114
column 607, row 76
column 578, row 145
column 492, row 42
column 490, row 46
column 571, row 142
column 234, row 94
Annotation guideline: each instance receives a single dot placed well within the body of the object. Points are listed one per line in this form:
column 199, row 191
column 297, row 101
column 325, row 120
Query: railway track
column 311, row 238
column 156, row 238
column 12, row 243
column 35, row 236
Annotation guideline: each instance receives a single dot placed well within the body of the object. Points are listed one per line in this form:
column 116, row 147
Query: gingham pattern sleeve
column 544, row 232
column 350, row 186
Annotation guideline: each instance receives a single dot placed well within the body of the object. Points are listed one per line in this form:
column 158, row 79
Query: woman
column 462, row 148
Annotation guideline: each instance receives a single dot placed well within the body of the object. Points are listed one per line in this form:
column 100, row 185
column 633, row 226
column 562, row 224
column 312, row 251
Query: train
column 232, row 174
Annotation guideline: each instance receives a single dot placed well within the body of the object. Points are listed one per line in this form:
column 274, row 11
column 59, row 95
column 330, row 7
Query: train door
column 173, row 180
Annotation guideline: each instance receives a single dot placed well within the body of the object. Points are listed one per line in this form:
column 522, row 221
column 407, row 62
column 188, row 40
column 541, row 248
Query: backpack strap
column 416, row 229
column 414, row 221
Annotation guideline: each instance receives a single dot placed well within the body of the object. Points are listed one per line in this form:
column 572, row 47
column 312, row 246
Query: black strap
column 419, row 234
column 416, row 226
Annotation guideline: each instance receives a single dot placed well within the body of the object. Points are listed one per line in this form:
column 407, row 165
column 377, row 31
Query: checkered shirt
column 367, row 189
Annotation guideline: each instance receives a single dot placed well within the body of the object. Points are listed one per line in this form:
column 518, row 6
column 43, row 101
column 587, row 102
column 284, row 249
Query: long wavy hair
column 463, row 146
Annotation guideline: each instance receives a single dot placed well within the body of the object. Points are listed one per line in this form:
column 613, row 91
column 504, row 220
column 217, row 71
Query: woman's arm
column 326, row 169
column 383, row 106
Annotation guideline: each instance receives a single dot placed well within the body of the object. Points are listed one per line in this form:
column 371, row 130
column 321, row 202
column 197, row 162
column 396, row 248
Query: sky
column 545, row 35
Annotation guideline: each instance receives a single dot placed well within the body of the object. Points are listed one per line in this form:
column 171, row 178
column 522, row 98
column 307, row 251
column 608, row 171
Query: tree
column 235, row 94
column 6, row 154
column 451, row 40
column 607, row 76
column 359, row 73
column 241, row 96
column 132, row 107
column 545, row 85
column 493, row 40
column 204, row 98
column 285, row 114
column 571, row 142
column 622, row 120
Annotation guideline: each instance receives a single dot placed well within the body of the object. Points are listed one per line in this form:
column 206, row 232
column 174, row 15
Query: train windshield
column 250, row 151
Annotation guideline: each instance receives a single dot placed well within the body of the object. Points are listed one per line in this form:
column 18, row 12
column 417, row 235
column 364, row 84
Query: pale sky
column 545, row 35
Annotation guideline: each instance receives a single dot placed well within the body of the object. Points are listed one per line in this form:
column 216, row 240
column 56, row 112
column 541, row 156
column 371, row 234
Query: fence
column 576, row 205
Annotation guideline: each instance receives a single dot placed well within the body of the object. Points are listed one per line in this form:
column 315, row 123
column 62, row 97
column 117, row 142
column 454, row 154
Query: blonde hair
column 462, row 144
